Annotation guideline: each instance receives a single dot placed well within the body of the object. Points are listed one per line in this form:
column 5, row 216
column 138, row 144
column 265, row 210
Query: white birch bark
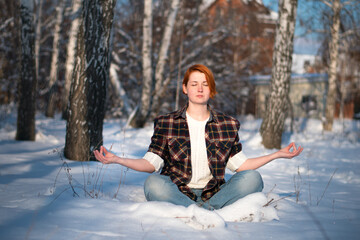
column 71, row 52
column 115, row 81
column 38, row 36
column 50, row 108
column 139, row 118
column 163, row 54
column 334, row 55
column 146, row 58
column 181, row 49
column 276, row 110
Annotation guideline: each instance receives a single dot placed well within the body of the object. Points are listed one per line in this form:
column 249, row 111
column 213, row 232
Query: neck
column 198, row 112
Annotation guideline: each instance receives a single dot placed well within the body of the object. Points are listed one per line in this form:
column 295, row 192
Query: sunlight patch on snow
column 249, row 209
column 192, row 216
column 40, row 137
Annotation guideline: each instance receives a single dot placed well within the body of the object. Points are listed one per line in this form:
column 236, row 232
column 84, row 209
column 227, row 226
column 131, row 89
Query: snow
column 299, row 61
column 315, row 196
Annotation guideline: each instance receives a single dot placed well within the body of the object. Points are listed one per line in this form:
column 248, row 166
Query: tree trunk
column 90, row 80
column 273, row 124
column 71, row 50
column 120, row 91
column 50, row 107
column 142, row 113
column 38, row 36
column 181, row 49
column 27, row 85
column 163, row 55
column 334, row 49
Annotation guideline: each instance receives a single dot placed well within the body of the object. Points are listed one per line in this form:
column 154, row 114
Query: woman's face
column 197, row 88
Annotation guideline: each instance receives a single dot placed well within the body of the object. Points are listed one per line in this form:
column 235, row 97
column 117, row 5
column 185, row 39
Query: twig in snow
column 318, row 202
column 271, row 201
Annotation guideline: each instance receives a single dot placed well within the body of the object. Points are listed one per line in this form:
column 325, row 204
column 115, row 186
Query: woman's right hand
column 105, row 156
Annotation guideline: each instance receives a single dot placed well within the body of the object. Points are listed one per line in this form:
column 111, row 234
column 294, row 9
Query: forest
column 78, row 74
column 91, row 60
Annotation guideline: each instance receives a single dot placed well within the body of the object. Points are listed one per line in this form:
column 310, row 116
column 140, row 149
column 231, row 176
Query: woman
column 192, row 147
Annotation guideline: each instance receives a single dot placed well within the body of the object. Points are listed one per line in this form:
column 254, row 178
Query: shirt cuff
column 155, row 160
column 236, row 161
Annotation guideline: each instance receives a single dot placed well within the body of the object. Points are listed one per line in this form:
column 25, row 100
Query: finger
column 105, row 150
column 97, row 154
column 101, row 151
column 299, row 150
column 291, row 145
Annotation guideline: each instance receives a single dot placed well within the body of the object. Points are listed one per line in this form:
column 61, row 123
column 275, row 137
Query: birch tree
column 27, row 85
column 142, row 112
column 336, row 21
column 163, row 55
column 70, row 51
column 332, row 71
column 120, row 91
column 150, row 100
column 273, row 124
column 54, row 70
column 10, row 56
column 90, row 80
column 38, row 35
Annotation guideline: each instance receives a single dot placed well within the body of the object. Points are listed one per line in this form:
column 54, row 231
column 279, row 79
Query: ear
column 184, row 89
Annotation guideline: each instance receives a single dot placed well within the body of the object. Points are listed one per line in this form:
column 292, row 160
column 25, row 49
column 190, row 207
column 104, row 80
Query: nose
column 200, row 88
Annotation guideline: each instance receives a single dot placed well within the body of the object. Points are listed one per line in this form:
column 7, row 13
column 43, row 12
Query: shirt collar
column 182, row 113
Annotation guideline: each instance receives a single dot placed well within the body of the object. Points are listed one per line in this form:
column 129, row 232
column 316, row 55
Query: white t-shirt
column 201, row 174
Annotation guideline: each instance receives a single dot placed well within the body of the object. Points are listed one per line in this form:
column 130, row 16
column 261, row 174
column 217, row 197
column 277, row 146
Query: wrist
column 119, row 160
column 276, row 155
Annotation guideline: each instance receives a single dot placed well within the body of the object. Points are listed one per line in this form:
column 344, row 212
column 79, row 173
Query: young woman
column 192, row 147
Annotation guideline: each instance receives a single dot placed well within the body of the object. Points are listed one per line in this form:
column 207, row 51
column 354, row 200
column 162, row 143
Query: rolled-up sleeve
column 155, row 160
column 157, row 150
column 236, row 161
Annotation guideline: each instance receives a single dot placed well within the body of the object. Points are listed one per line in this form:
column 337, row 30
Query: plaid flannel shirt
column 171, row 141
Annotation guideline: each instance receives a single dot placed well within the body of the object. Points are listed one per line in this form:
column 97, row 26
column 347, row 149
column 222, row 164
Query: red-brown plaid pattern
column 171, row 141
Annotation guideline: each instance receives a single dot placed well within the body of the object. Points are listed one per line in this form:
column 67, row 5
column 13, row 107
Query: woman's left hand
column 288, row 153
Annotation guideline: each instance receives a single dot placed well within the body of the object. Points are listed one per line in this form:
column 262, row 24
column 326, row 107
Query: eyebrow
column 196, row 81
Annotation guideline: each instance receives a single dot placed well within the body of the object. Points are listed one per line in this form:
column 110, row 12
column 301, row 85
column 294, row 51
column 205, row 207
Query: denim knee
column 154, row 188
column 256, row 179
column 252, row 180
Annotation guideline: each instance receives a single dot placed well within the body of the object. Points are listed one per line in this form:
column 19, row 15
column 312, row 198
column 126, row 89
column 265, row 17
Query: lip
column 199, row 96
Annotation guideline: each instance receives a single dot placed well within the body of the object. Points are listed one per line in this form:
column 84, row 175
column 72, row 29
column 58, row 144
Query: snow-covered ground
column 315, row 196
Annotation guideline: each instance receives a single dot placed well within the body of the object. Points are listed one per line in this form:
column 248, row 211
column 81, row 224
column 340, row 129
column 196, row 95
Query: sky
column 303, row 44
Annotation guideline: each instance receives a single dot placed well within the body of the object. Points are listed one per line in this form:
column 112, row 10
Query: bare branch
column 326, row 3
column 7, row 22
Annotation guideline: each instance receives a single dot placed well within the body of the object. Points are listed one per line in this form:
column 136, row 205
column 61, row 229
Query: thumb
column 104, row 149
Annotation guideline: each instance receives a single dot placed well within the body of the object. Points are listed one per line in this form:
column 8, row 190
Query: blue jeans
column 161, row 188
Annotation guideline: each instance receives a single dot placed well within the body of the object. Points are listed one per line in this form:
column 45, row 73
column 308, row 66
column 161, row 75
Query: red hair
column 208, row 74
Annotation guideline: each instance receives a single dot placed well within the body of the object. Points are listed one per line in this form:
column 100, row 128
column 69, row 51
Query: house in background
column 307, row 94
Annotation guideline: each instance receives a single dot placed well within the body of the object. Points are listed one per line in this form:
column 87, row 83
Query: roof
column 295, row 78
